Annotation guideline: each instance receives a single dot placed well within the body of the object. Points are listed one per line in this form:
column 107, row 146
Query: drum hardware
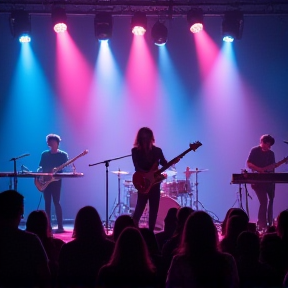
column 188, row 173
column 120, row 172
column 106, row 162
column 120, row 205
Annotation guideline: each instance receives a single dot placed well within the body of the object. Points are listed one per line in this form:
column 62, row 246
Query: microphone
column 24, row 155
column 24, row 168
column 285, row 142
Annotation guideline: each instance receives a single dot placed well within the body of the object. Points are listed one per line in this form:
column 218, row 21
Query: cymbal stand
column 106, row 162
column 120, row 204
column 196, row 190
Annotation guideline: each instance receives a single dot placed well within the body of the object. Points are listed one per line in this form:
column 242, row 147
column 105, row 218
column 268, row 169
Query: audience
column 38, row 223
column 81, row 259
column 232, row 212
column 235, row 225
column 170, row 223
column 122, row 222
column 274, row 247
column 189, row 247
column 253, row 273
column 23, row 261
column 198, row 262
column 170, row 247
column 130, row 264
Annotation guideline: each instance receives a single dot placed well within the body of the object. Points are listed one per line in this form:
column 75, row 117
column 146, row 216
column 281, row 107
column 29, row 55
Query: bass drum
column 165, row 204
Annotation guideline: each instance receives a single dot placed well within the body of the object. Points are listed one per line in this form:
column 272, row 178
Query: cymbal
column 191, row 171
column 120, row 172
column 170, row 173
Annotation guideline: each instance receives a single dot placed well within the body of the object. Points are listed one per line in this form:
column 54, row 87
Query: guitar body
column 143, row 181
column 42, row 182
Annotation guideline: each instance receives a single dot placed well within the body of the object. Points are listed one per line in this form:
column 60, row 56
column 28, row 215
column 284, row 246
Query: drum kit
column 174, row 193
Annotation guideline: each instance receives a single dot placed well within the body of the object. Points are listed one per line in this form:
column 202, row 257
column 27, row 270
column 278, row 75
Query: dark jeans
column 265, row 192
column 153, row 196
column 53, row 191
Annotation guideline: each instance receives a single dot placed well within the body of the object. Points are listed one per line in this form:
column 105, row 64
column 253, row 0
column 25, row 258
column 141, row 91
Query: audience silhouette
column 235, row 225
column 38, row 223
column 130, row 264
column 81, row 259
column 198, row 262
column 23, row 261
column 253, row 273
column 170, row 223
column 190, row 254
column 120, row 224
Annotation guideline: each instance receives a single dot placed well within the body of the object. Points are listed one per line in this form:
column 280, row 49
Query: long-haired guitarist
column 146, row 158
column 50, row 159
column 262, row 159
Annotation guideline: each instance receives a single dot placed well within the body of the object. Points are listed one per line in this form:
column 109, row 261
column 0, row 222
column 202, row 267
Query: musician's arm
column 253, row 167
column 162, row 159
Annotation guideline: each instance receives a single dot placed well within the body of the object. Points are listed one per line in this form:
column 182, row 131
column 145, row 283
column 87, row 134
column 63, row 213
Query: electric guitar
column 143, row 181
column 43, row 181
column 271, row 167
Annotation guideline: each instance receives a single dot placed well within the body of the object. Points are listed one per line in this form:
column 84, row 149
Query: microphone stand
column 15, row 171
column 106, row 162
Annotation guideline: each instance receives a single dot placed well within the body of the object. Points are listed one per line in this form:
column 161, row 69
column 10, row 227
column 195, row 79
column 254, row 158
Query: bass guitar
column 143, row 181
column 43, row 181
column 271, row 167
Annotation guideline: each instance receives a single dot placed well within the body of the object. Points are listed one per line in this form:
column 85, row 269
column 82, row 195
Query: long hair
column 88, row 224
column 38, row 223
column 199, row 236
column 131, row 252
column 282, row 224
column 122, row 222
column 139, row 137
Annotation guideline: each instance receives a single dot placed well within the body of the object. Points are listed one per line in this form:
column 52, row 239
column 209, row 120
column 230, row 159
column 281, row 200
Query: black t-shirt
column 143, row 161
column 52, row 160
column 261, row 158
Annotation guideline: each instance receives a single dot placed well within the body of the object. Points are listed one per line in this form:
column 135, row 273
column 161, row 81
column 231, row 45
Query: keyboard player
column 261, row 158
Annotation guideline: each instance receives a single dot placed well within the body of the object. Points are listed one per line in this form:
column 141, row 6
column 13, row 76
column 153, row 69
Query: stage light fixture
column 232, row 26
column 20, row 25
column 103, row 26
column 195, row 20
column 139, row 23
column 59, row 19
column 159, row 33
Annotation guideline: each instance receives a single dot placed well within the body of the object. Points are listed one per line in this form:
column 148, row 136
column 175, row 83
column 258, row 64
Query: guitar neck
column 59, row 168
column 275, row 165
column 171, row 162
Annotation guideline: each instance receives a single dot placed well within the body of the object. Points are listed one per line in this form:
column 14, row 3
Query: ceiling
column 170, row 8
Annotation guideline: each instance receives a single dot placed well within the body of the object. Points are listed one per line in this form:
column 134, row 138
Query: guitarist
column 146, row 157
column 262, row 156
column 50, row 159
